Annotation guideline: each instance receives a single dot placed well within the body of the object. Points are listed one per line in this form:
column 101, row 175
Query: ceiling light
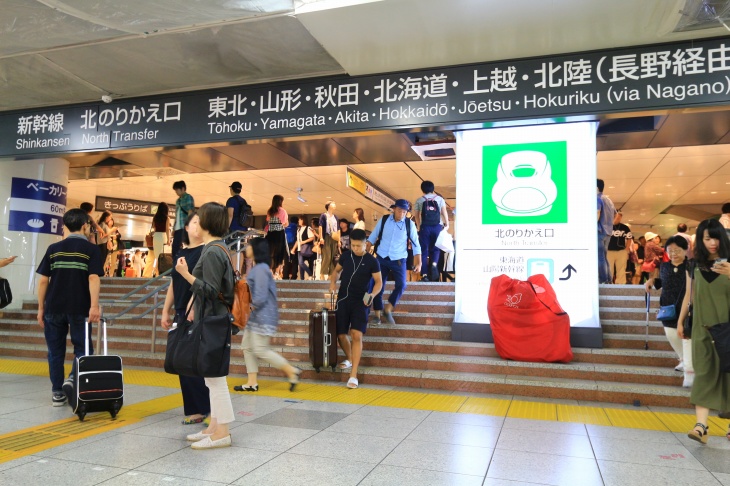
column 668, row 185
column 713, row 192
column 658, row 193
column 612, row 187
column 299, row 195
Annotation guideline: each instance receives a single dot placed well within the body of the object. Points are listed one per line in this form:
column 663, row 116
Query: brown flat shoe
column 699, row 433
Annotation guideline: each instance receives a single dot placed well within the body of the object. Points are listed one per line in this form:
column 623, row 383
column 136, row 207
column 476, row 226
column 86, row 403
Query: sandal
column 700, row 436
column 345, row 365
column 189, row 421
column 352, row 383
column 246, row 388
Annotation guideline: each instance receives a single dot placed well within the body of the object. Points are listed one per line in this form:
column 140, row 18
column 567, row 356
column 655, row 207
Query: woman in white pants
column 672, row 281
column 212, row 282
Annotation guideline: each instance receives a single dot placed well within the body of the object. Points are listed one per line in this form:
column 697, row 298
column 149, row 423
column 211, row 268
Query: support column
column 28, row 246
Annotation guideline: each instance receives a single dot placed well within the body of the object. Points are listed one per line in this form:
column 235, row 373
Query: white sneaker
column 680, row 366
column 197, row 437
column 208, row 443
column 689, row 379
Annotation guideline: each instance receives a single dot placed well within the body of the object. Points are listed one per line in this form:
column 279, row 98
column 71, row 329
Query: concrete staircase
column 418, row 352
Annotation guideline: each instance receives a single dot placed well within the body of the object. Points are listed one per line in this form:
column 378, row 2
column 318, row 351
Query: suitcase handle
column 102, row 322
column 328, row 339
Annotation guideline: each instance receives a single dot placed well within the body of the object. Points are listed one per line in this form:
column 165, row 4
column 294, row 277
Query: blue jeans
column 305, row 269
column 604, row 272
column 396, row 268
column 430, row 254
column 56, row 328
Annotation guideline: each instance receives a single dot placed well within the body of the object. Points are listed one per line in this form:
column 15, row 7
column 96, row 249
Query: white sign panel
column 527, row 205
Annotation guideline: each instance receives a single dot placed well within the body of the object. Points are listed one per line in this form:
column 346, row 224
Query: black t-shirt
column 235, row 202
column 345, row 240
column 354, row 287
column 618, row 238
column 68, row 264
column 180, row 286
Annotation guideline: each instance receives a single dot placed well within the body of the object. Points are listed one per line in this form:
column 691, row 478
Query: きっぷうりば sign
column 532, row 190
column 125, row 206
column 36, row 206
column 682, row 74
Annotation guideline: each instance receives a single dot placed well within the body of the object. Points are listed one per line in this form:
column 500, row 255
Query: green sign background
column 557, row 155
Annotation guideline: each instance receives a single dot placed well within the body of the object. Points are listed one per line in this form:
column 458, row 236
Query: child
column 264, row 319
column 357, row 267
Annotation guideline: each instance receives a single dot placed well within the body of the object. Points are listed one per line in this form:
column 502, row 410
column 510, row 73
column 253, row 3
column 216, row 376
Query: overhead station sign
column 367, row 189
column 631, row 79
column 126, row 206
column 36, row 206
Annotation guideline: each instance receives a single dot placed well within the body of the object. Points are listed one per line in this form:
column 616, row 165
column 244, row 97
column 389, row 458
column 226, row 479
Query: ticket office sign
column 36, row 206
column 531, row 192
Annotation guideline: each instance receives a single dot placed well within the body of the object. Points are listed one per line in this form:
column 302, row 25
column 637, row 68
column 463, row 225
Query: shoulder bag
column 6, row 296
column 690, row 309
column 306, row 249
column 241, row 308
column 149, row 239
column 201, row 347
column 721, row 339
column 668, row 312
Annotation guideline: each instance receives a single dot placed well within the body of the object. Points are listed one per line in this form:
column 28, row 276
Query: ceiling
column 68, row 51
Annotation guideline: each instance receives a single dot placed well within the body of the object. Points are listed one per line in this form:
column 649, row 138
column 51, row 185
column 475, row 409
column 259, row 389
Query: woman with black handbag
column 709, row 285
column 672, row 281
column 212, row 283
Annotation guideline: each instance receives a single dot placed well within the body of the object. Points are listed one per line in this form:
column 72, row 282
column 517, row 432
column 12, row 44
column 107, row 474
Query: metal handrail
column 137, row 289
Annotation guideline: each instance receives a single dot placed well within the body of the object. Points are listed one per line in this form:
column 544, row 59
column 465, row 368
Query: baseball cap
column 236, row 186
column 402, row 204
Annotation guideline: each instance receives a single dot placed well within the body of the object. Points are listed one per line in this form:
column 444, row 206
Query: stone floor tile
column 365, row 448
column 269, row 437
column 544, row 469
column 303, row 419
column 385, row 475
column 625, row 474
column 545, row 426
column 58, row 473
column 545, row 443
column 123, row 450
column 649, row 453
column 456, row 433
column 397, row 428
column 295, row 470
column 459, row 459
column 139, row 478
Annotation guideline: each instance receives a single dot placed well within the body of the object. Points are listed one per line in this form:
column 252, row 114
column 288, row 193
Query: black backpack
column 6, row 296
column 430, row 212
column 382, row 226
column 245, row 213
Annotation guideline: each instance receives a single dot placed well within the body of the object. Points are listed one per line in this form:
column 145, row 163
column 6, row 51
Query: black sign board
column 638, row 78
column 125, row 206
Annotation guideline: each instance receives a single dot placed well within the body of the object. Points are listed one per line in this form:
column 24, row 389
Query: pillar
column 29, row 245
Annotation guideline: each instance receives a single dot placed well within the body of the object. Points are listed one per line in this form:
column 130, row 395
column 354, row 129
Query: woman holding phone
column 709, row 286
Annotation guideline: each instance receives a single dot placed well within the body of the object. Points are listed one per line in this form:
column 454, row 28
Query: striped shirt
column 68, row 265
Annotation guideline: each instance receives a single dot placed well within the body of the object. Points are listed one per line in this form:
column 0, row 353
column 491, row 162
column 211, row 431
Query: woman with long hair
column 196, row 399
column 358, row 216
column 327, row 228
column 160, row 238
column 263, row 321
column 276, row 219
column 709, row 288
column 211, row 282
column 305, row 253
column 672, row 281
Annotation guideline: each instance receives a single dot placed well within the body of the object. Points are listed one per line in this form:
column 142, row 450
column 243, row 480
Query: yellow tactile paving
column 398, row 399
column 582, row 415
column 718, row 426
column 359, row 396
column 485, row 406
column 322, row 393
column 634, row 419
column 532, row 410
column 440, row 403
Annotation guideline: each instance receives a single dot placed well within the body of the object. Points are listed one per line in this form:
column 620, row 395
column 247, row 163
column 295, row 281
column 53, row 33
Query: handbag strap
column 236, row 275
column 537, row 296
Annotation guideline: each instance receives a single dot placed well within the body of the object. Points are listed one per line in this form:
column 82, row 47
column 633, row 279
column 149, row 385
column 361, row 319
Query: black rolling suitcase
column 323, row 337
column 97, row 384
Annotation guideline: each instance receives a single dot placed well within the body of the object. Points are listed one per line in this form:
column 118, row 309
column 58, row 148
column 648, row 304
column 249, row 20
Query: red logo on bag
column 513, row 300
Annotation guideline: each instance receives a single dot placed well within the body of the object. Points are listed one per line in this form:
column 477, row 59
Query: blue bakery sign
column 37, row 206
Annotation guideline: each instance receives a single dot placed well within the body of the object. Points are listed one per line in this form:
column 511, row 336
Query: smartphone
column 720, row 260
column 367, row 300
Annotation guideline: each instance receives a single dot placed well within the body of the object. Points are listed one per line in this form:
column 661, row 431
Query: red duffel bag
column 527, row 321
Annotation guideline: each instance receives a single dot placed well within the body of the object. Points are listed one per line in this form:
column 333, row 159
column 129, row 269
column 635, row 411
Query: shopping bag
column 445, row 242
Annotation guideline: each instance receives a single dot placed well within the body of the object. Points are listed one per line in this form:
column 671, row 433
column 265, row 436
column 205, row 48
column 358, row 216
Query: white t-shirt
column 359, row 225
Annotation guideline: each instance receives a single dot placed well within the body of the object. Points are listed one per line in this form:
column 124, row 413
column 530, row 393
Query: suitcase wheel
column 333, row 368
column 316, row 369
column 82, row 416
column 114, row 411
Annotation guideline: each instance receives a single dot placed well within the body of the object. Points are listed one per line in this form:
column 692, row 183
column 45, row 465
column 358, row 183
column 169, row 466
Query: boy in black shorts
column 357, row 268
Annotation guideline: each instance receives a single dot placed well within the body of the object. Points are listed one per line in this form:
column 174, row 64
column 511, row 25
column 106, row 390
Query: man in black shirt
column 68, row 293
column 357, row 268
column 618, row 249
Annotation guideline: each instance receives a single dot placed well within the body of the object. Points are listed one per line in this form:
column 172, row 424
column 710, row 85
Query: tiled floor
column 288, row 441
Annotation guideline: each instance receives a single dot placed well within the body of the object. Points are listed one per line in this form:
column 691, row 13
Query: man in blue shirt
column 606, row 214
column 390, row 238
column 233, row 205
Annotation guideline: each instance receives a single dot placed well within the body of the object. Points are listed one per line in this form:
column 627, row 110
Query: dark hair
column 103, row 217
column 680, row 241
column 87, row 206
column 327, row 207
column 160, row 217
column 343, row 220
column 276, row 202
column 261, row 252
column 427, row 187
column 186, row 237
column 642, row 238
column 214, row 219
column 360, row 214
column 358, row 235
column 726, row 208
column 682, row 228
column 179, row 185
column 293, row 219
column 302, row 217
column 600, row 184
column 75, row 219
column 716, row 231
column 315, row 222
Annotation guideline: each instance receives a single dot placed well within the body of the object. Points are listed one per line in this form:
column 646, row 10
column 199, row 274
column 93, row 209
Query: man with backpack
column 432, row 218
column 239, row 211
column 390, row 240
